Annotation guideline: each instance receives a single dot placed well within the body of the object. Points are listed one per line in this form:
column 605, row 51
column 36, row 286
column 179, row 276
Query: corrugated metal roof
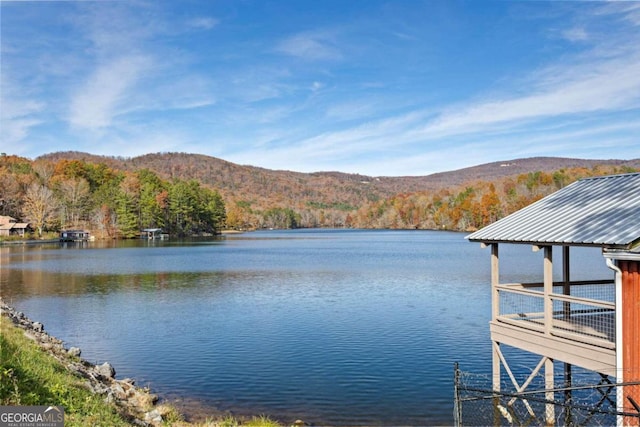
column 602, row 211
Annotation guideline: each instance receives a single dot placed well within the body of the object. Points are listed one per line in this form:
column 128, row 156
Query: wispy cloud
column 129, row 72
column 311, row 46
column 628, row 10
column 354, row 92
column 203, row 23
column 19, row 112
column 573, row 92
column 613, row 85
column 575, row 34
column 97, row 101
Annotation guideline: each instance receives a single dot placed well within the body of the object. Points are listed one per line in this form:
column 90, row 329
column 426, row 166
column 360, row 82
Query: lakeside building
column 10, row 226
column 74, row 236
column 593, row 324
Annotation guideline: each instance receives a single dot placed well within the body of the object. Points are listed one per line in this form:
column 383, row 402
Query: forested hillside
column 109, row 202
column 195, row 194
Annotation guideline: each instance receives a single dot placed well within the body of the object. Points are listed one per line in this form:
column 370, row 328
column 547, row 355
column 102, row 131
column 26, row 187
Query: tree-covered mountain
column 145, row 191
column 250, row 183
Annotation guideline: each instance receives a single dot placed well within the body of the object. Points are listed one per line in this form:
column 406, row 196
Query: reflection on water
column 341, row 327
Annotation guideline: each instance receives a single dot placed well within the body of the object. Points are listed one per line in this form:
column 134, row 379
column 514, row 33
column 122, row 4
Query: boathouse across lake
column 74, row 236
column 595, row 323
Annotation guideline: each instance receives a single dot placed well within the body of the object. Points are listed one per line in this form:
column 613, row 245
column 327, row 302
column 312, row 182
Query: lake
column 335, row 327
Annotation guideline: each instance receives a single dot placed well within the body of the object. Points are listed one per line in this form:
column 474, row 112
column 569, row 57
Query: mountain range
column 265, row 187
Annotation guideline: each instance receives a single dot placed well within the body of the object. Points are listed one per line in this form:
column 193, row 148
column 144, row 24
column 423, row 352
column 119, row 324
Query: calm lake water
column 336, row 327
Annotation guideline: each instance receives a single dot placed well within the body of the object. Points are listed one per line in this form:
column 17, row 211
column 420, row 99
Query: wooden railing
column 586, row 318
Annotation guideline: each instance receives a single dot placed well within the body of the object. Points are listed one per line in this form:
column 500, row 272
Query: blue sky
column 382, row 88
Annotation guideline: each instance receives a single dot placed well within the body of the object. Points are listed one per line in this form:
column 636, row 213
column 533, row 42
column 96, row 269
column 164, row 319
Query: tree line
column 460, row 208
column 470, row 206
column 69, row 194
column 60, row 194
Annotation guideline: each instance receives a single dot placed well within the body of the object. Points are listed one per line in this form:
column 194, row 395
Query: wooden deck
column 584, row 338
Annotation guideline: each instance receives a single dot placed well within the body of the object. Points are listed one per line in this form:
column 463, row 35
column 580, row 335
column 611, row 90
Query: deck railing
column 581, row 311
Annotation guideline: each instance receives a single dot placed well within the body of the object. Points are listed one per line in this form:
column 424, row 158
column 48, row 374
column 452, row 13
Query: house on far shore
column 74, row 236
column 10, row 226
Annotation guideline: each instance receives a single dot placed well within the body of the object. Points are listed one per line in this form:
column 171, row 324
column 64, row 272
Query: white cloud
column 575, row 34
column 179, row 93
column 567, row 96
column 312, row 46
column 18, row 112
column 97, row 101
column 203, row 23
column 628, row 10
column 14, row 129
column 610, row 85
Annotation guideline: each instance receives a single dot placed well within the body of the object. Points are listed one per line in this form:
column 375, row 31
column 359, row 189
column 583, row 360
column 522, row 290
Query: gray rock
column 74, row 351
column 153, row 416
column 106, row 370
column 38, row 327
column 118, row 391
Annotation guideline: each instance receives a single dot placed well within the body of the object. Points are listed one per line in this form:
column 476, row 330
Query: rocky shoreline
column 134, row 403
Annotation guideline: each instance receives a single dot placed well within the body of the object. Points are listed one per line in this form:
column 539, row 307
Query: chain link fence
column 582, row 402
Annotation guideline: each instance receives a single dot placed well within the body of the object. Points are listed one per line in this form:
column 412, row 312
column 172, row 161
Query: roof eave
column 617, row 246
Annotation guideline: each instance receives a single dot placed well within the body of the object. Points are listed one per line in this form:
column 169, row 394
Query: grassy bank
column 29, row 375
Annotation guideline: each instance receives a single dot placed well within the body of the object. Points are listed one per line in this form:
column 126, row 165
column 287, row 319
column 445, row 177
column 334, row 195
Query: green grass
column 30, row 376
column 261, row 421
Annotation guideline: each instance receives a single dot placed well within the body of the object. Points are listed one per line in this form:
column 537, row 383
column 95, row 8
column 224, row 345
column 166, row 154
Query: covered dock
column 153, row 233
column 589, row 323
column 74, row 236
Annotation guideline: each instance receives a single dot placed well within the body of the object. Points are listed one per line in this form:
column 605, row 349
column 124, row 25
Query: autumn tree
column 10, row 194
column 39, row 206
column 490, row 206
column 104, row 221
column 74, row 199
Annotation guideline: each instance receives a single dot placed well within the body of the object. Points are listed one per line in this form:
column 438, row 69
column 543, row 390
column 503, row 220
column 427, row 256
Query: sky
column 376, row 87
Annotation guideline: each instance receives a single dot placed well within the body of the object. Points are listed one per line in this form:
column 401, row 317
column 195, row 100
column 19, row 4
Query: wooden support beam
column 548, row 289
column 549, row 385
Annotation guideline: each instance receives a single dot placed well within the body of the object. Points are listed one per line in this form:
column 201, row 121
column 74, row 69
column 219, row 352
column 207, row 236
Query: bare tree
column 75, row 196
column 44, row 171
column 104, row 221
column 39, row 206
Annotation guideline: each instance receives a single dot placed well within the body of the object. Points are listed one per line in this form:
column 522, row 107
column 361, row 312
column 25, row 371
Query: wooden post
column 548, row 289
column 550, row 408
column 495, row 311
